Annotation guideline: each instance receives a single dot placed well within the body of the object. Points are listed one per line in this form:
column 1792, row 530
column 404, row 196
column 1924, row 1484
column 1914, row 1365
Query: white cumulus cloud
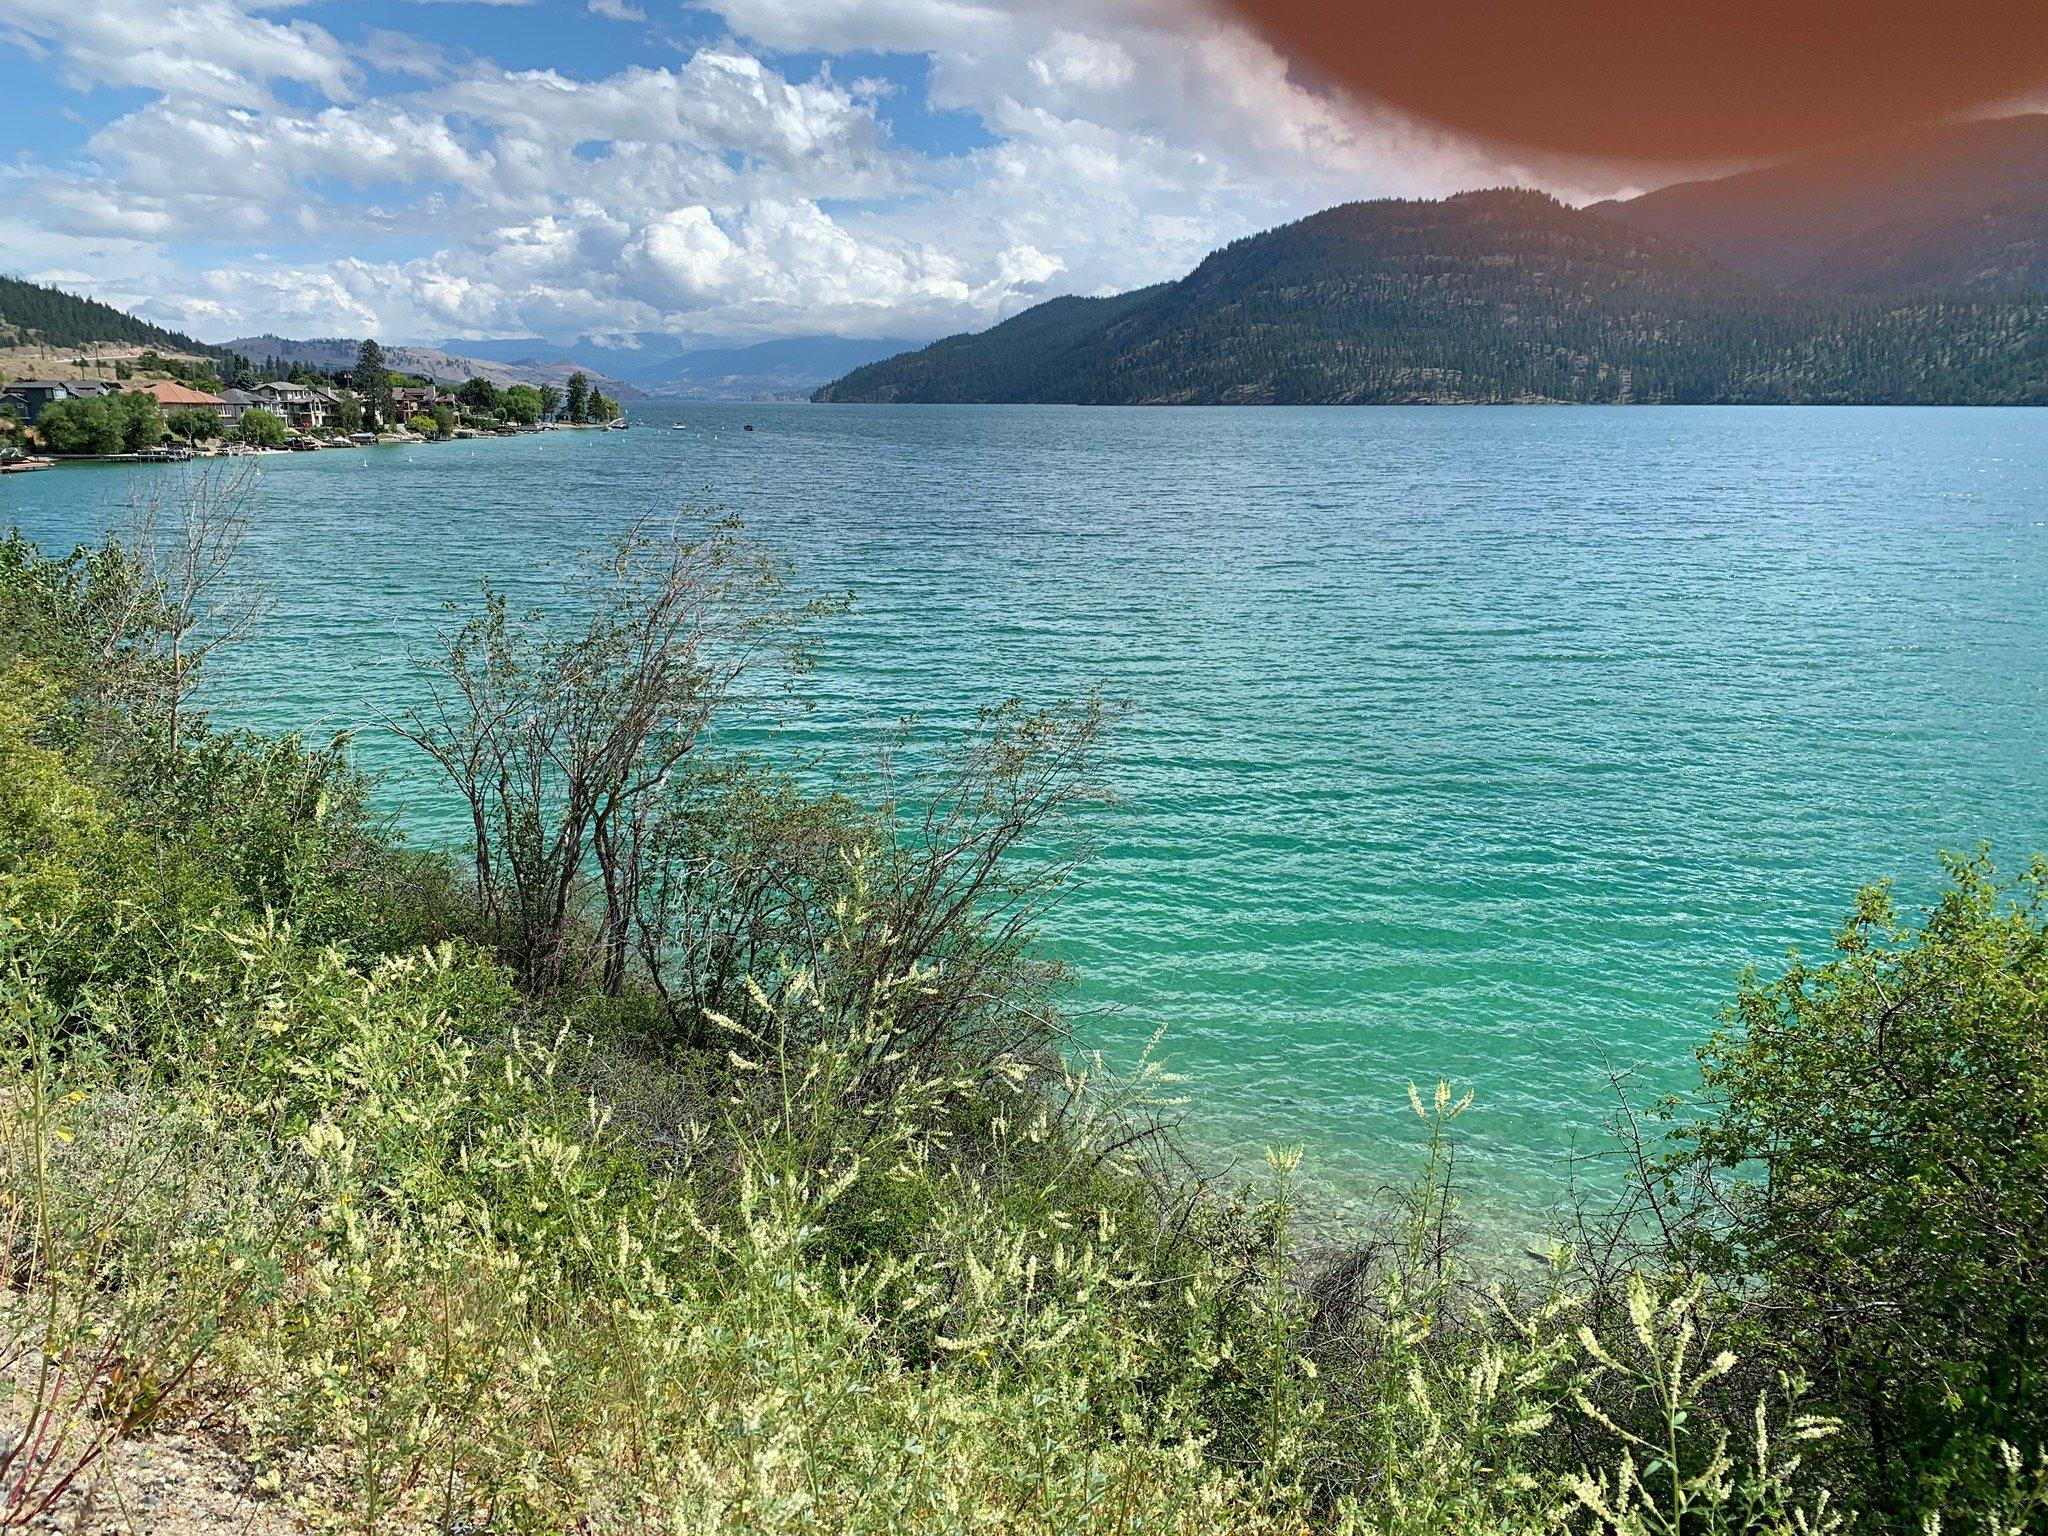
column 712, row 192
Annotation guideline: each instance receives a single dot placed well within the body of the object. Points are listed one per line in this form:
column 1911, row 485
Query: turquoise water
column 1485, row 744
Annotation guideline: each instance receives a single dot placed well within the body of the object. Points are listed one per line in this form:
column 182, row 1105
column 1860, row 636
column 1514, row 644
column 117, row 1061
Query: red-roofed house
column 173, row 396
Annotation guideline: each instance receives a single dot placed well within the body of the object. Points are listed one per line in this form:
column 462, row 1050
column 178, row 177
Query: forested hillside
column 1957, row 208
column 1484, row 297
column 1033, row 356
column 32, row 313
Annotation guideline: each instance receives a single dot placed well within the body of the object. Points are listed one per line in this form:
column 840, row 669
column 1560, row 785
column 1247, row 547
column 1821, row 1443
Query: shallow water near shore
column 1479, row 744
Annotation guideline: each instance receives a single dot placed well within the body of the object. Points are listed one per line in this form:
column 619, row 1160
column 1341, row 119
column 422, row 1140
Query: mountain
column 1486, row 296
column 625, row 356
column 791, row 367
column 509, row 349
column 1046, row 354
column 34, row 315
column 332, row 353
column 1960, row 208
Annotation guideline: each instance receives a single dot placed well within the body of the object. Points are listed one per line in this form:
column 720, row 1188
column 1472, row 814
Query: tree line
column 48, row 315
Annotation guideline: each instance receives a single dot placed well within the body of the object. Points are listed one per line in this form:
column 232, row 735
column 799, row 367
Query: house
column 29, row 396
column 235, row 403
column 418, row 401
column 173, row 396
column 300, row 405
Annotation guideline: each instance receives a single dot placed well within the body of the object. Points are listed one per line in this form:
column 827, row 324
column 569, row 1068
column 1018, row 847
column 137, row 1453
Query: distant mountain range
column 786, row 368
column 790, row 368
column 331, row 354
column 629, row 368
column 1961, row 208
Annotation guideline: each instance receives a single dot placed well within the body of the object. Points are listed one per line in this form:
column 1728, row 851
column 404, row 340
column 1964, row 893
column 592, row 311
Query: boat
column 677, row 427
column 616, row 426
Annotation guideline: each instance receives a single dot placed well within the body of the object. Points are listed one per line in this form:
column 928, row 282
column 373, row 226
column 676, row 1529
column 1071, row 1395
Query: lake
column 1468, row 743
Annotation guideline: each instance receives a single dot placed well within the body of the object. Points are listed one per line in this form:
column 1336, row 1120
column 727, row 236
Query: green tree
column 479, row 396
column 80, row 426
column 423, row 424
column 521, row 403
column 141, row 418
column 579, row 398
column 194, row 424
column 260, row 427
column 1874, row 1177
column 550, row 401
column 348, row 416
column 373, row 383
column 444, row 418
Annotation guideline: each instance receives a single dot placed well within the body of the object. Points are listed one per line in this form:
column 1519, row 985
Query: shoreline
column 186, row 454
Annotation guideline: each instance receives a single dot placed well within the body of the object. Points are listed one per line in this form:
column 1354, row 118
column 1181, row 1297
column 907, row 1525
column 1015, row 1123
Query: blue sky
column 720, row 172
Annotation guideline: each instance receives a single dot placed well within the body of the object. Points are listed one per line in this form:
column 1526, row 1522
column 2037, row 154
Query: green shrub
column 81, row 426
column 48, row 816
column 194, row 424
column 1875, row 1149
column 90, row 619
column 263, row 428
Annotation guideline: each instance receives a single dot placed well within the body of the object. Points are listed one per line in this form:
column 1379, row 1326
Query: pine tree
column 373, row 383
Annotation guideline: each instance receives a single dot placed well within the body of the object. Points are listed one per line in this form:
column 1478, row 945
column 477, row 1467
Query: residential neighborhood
column 168, row 408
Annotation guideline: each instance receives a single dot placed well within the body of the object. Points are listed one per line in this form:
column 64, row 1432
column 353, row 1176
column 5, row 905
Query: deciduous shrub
column 1871, row 1178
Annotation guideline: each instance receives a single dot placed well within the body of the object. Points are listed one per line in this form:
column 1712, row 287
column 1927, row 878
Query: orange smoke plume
column 1653, row 80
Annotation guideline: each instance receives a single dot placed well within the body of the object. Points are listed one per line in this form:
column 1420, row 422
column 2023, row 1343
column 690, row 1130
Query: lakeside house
column 173, row 396
column 235, row 404
column 304, row 406
column 29, row 396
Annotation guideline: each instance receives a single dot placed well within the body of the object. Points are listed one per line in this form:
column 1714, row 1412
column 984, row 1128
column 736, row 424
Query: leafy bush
column 81, row 426
column 193, row 424
column 521, row 403
column 1874, row 1163
column 262, row 428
